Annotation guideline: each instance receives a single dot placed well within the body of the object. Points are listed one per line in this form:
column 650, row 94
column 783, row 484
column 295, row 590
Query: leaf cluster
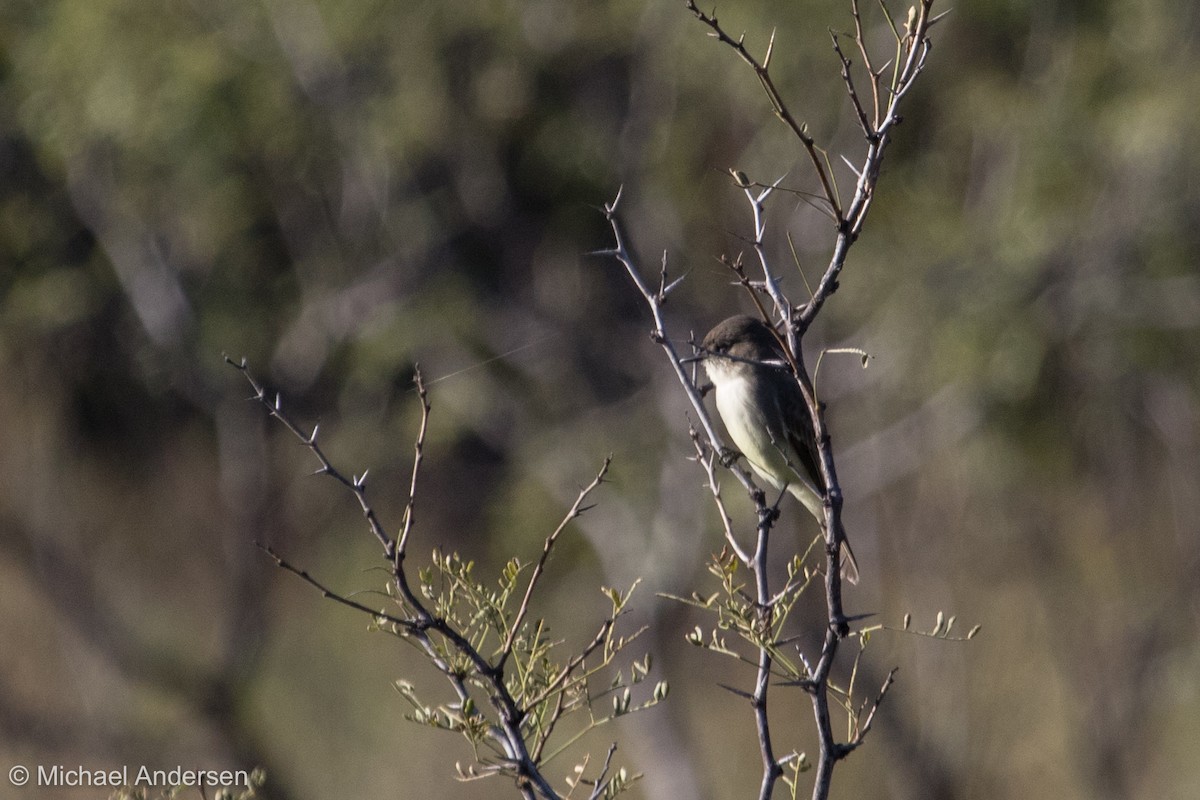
column 517, row 699
column 562, row 694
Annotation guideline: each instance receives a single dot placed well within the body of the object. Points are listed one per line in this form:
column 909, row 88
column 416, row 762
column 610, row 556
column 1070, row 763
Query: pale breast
column 751, row 433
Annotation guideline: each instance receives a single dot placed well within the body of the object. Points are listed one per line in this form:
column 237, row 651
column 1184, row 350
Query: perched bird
column 766, row 416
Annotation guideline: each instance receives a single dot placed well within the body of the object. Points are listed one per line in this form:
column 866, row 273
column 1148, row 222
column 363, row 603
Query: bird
column 766, row 416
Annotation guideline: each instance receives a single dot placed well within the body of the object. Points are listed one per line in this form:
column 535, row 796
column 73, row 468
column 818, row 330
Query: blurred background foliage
column 338, row 190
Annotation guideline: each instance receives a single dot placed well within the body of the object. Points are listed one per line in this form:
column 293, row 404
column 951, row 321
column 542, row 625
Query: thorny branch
column 756, row 560
column 420, row 624
column 763, row 71
column 912, row 49
column 876, row 122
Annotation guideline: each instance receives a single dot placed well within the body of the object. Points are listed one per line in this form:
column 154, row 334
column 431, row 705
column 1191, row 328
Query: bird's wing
column 800, row 436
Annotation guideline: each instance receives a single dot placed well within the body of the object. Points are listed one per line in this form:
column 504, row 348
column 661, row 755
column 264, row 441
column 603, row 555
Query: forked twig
column 763, row 71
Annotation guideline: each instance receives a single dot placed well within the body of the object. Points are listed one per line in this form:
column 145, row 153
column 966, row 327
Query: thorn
column 668, row 288
column 611, row 208
column 312, row 439
column 738, row 692
column 852, row 167
column 938, row 18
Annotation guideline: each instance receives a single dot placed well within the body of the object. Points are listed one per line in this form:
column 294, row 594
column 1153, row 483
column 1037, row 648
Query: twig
column 577, row 508
column 654, row 302
column 861, row 41
column 913, row 47
column 772, row 768
column 598, row 789
column 280, row 561
column 357, row 484
column 866, row 727
column 418, row 455
column 867, row 128
column 707, row 460
column 762, row 70
column 757, row 204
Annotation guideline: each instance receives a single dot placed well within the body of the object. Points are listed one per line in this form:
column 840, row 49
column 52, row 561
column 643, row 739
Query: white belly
column 763, row 441
column 751, row 433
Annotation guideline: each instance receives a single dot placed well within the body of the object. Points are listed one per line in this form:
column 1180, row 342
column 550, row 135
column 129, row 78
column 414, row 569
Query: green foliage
column 479, row 641
column 737, row 611
column 794, row 765
column 560, row 694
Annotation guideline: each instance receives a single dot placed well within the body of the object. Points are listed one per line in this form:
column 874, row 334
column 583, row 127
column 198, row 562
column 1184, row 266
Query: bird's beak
column 692, row 359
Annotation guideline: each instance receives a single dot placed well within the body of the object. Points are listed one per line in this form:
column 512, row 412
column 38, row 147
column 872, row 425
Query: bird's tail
column 815, row 504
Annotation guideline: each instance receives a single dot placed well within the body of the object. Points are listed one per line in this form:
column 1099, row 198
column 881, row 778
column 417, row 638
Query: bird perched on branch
column 766, row 416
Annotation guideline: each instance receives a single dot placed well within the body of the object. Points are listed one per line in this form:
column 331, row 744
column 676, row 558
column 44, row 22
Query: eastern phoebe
column 766, row 416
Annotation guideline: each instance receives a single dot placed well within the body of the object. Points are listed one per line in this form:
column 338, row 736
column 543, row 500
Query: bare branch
column 577, row 508
column 866, row 727
column 861, row 41
column 777, row 103
column 418, row 455
column 621, row 252
column 377, row 614
column 860, row 112
column 707, row 460
column 913, row 47
column 767, row 515
column 598, row 790
column 274, row 407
